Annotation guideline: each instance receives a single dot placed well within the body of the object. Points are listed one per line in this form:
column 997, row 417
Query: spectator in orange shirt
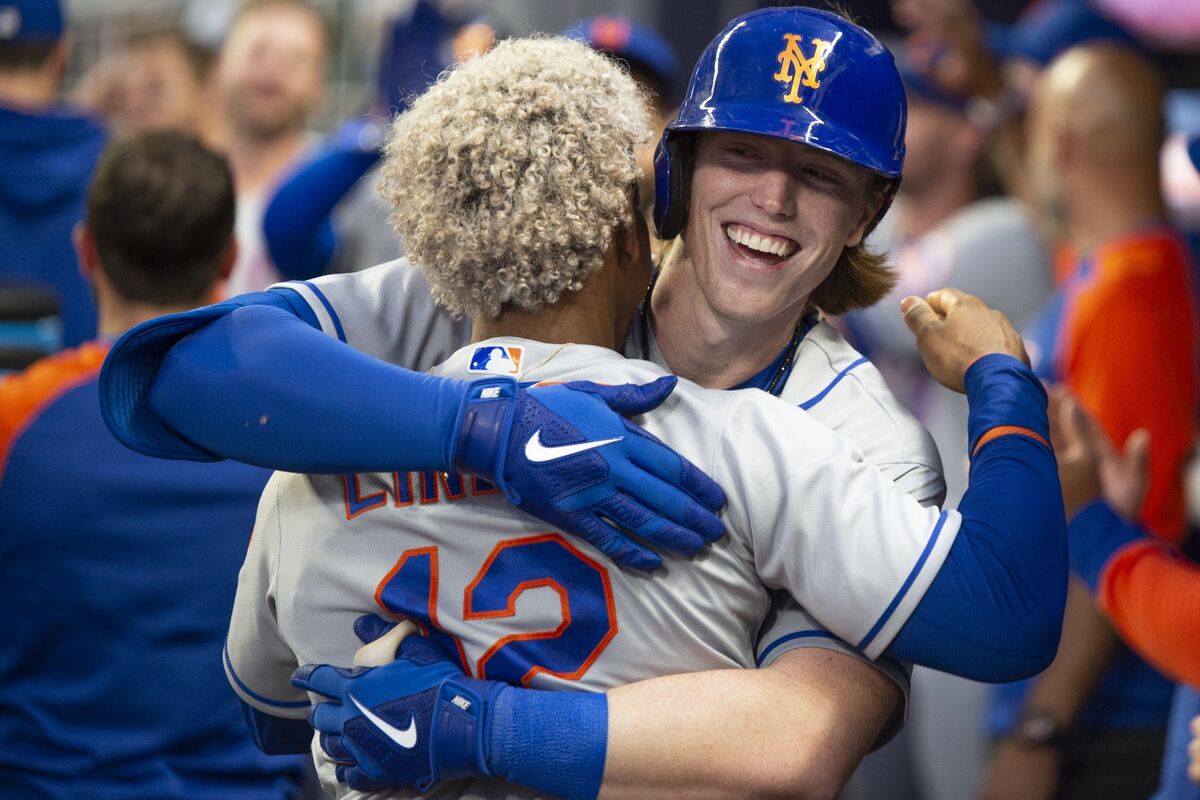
column 1119, row 333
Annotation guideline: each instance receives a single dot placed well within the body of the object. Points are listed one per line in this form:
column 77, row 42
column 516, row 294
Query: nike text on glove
column 411, row 723
column 566, row 454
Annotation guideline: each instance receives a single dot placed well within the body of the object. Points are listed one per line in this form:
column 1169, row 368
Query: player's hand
column 1078, row 471
column 1089, row 464
column 955, row 329
column 567, row 455
column 409, row 723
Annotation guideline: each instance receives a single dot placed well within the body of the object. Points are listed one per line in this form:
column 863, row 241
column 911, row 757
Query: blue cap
column 30, row 20
column 795, row 73
column 1051, row 26
column 627, row 39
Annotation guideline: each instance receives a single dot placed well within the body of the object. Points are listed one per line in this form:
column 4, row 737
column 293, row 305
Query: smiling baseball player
column 507, row 600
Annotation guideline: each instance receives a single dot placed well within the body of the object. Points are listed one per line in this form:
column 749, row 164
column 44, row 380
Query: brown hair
column 161, row 208
column 860, row 279
column 21, row 55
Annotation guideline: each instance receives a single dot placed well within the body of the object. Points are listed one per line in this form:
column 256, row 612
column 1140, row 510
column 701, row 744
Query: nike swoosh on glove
column 617, row 479
column 413, row 722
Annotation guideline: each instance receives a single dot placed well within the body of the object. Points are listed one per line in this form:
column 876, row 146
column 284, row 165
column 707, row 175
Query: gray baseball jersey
column 387, row 312
column 806, row 515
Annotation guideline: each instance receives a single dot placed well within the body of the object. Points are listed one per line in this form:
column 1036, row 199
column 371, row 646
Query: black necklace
column 803, row 326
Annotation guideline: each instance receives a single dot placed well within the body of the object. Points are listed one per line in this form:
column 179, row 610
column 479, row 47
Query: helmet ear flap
column 672, row 184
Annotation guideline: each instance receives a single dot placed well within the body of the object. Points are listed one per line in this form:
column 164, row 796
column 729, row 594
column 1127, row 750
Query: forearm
column 795, row 729
column 253, row 383
column 994, row 609
column 296, row 224
column 1151, row 596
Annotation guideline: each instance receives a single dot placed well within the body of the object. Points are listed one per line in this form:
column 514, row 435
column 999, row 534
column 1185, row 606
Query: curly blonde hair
column 508, row 176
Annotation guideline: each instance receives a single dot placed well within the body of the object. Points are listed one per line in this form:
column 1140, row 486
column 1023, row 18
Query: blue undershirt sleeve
column 297, row 228
column 131, row 368
column 1094, row 534
column 994, row 610
column 260, row 386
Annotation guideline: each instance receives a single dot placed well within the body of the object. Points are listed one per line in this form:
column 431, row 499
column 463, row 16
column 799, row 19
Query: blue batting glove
column 413, row 722
column 566, row 455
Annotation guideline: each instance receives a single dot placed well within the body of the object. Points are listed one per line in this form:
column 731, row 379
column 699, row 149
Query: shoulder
column 828, row 372
column 841, row 389
column 399, row 272
column 24, row 395
column 1148, row 279
column 1155, row 259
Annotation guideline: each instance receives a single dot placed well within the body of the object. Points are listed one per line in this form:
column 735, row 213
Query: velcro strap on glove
column 481, row 432
column 459, row 730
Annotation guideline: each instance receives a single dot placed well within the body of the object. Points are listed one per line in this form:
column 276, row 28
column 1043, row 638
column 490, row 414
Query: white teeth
column 762, row 243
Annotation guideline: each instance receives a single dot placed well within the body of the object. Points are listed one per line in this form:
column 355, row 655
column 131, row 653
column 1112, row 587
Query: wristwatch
column 1038, row 727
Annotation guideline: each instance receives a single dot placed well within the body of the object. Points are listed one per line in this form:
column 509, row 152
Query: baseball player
column 388, row 313
column 515, row 602
column 278, row 382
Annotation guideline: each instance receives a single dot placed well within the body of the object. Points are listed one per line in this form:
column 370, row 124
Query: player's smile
column 762, row 250
column 767, row 221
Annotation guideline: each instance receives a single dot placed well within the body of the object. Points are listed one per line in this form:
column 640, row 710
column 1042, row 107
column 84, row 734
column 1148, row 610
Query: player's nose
column 775, row 193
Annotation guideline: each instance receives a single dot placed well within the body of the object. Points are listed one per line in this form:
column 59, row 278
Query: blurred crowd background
column 296, row 96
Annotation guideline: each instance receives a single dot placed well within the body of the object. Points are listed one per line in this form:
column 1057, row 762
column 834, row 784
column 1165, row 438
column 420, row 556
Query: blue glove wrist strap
column 481, row 431
column 460, row 729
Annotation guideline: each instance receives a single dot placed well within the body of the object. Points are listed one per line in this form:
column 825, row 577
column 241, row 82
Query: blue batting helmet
column 799, row 74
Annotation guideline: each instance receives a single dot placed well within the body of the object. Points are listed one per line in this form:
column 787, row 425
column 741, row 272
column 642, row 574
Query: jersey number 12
column 589, row 619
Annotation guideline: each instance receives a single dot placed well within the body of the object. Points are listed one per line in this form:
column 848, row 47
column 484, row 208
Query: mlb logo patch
column 496, row 360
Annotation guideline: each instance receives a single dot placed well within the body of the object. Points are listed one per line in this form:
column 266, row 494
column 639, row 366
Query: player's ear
column 228, row 258
column 85, row 249
column 873, row 200
column 633, row 240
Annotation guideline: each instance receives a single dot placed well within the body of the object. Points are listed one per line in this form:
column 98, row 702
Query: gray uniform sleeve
column 386, row 311
column 258, row 662
column 854, row 550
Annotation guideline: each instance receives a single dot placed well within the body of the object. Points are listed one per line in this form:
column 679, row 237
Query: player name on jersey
column 368, row 491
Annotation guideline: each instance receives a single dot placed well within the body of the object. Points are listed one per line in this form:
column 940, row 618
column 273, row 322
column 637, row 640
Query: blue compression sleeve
column 131, row 368
column 1094, row 535
column 994, row 610
column 296, row 225
column 261, row 386
column 529, row 724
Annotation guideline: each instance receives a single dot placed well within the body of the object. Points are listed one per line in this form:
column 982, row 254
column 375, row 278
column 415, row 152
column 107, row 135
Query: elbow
column 1030, row 649
column 1039, row 649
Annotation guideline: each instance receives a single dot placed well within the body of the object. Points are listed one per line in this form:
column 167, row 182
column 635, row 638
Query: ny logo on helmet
column 801, row 71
